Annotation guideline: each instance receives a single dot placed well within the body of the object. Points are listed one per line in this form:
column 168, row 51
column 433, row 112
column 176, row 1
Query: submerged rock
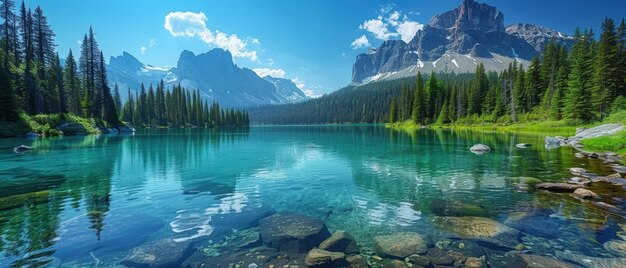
column 401, row 245
column 357, row 261
column 478, row 228
column 619, row 168
column 440, row 257
column 582, row 193
column 537, row 223
column 480, row 149
column 616, row 247
column 536, row 261
column 525, row 184
column 292, row 232
column 340, row 241
column 323, row 258
column 579, row 180
column 576, row 171
column 558, row 187
column 22, row 148
column 160, row 253
column 592, row 262
column 473, row 262
column 442, row 207
column 417, row 260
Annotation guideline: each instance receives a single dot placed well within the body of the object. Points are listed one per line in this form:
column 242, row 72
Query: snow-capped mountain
column 213, row 73
column 456, row 41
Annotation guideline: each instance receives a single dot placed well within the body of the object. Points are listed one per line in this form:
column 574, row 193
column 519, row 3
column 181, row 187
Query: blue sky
column 311, row 42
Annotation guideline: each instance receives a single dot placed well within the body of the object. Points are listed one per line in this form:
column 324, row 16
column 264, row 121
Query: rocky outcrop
column 292, row 233
column 401, row 245
column 599, row 131
column 538, row 36
column 456, row 40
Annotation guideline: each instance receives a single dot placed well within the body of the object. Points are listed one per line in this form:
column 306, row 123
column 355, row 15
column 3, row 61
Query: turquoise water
column 86, row 200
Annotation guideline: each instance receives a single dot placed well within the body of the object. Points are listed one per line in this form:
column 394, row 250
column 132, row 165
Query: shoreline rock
column 401, row 245
column 558, row 187
column 292, row 232
column 480, row 149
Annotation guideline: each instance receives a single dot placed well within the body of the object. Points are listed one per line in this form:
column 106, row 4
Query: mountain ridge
column 474, row 31
column 214, row 73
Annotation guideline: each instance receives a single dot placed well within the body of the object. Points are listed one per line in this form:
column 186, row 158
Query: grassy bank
column 45, row 124
column 615, row 143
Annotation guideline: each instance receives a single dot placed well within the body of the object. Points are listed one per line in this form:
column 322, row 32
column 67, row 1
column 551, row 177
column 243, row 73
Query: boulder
column 619, row 168
column 70, row 128
column 582, row 193
column 160, row 253
column 554, row 142
column 616, row 247
column 31, row 134
column 536, row 261
column 401, row 245
column 22, row 148
column 579, row 180
column 292, row 232
column 478, row 228
column 323, row 258
column 522, row 145
column 340, row 241
column 576, row 171
column 480, row 149
column 558, row 187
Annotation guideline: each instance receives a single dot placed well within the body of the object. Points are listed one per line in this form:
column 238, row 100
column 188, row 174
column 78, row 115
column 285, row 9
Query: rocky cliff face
column 538, row 36
column 214, row 73
column 456, row 40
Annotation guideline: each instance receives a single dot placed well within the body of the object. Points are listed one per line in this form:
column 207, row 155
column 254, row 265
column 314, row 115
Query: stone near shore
column 558, row 187
column 579, row 180
column 323, row 258
column 292, row 233
column 478, row 228
column 401, row 245
column 536, row 261
column 340, row 241
column 576, row 171
column 554, row 142
column 582, row 193
column 31, row 134
column 160, row 253
column 589, row 261
column 72, row 129
column 480, row 149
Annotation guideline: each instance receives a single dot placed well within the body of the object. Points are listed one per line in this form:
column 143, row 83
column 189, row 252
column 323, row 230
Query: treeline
column 363, row 104
column 176, row 107
column 581, row 85
column 32, row 78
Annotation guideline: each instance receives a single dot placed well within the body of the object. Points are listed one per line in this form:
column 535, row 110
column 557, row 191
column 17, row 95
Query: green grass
column 44, row 124
column 614, row 143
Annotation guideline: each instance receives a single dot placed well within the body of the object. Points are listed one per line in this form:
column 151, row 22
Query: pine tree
column 8, row 31
column 606, row 83
column 433, row 91
column 392, row 112
column 72, row 84
column 117, row 98
column 519, row 95
column 418, row 111
column 533, row 84
column 8, row 104
column 478, row 89
column 580, row 79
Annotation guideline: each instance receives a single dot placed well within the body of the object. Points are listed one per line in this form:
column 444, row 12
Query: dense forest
column 578, row 84
column 176, row 107
column 34, row 82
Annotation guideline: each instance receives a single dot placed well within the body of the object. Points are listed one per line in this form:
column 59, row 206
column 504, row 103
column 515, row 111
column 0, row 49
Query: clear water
column 82, row 200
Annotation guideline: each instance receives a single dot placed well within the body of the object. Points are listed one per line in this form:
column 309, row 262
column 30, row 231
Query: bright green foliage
column 577, row 105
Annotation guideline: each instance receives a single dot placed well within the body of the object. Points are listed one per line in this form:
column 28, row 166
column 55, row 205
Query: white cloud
column 276, row 73
column 152, row 42
column 189, row 24
column 143, row 49
column 408, row 29
column 390, row 24
column 360, row 42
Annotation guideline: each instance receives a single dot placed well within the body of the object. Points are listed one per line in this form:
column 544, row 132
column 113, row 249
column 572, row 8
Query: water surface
column 82, row 200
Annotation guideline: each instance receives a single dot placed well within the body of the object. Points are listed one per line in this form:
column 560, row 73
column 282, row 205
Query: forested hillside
column 34, row 84
column 579, row 86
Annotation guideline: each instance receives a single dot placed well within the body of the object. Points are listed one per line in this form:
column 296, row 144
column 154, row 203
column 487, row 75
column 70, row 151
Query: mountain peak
column 125, row 61
column 470, row 15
